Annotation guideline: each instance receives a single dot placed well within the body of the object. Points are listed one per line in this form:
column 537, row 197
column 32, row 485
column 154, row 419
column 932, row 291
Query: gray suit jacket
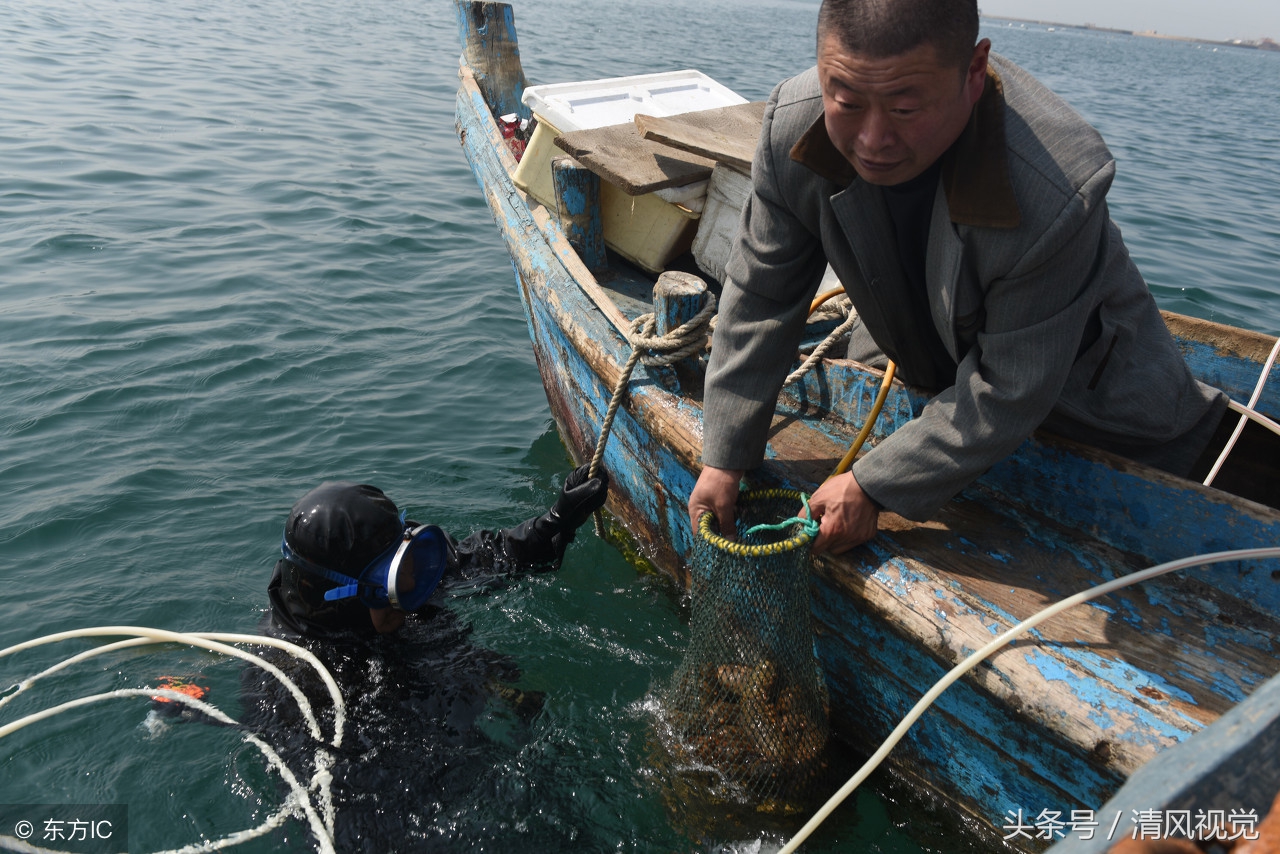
column 1030, row 287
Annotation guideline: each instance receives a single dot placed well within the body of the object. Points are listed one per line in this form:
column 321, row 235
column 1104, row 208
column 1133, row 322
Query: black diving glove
column 540, row 542
column 579, row 498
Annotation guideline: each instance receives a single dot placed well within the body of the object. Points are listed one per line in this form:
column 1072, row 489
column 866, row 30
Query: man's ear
column 976, row 76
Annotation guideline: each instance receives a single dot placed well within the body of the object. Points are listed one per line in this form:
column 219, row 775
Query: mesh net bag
column 748, row 702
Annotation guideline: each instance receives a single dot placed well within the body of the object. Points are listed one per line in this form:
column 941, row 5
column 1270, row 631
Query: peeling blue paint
column 988, row 759
column 1101, row 719
column 1227, row 687
column 1130, row 615
column 1156, row 596
column 1188, row 675
column 1237, row 377
column 1159, row 520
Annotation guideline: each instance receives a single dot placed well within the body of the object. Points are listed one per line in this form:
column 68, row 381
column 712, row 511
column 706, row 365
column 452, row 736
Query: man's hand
column 716, row 492
column 847, row 516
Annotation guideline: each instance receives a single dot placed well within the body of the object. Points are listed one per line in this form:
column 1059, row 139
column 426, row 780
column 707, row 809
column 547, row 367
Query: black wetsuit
column 432, row 719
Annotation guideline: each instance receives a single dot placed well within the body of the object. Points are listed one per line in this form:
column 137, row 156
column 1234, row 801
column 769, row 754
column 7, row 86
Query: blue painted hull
column 1056, row 722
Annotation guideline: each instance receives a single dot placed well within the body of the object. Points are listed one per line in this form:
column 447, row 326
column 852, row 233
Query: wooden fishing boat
column 1058, row 721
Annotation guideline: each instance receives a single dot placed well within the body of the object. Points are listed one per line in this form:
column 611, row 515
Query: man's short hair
column 884, row 28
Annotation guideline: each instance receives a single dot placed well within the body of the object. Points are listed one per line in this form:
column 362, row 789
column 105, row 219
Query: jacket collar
column 975, row 170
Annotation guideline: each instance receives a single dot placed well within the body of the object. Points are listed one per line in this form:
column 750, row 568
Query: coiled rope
column 299, row 801
column 299, row 796
column 821, row 350
column 689, row 338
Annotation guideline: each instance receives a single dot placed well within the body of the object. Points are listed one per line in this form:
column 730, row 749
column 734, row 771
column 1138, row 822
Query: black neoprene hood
column 343, row 526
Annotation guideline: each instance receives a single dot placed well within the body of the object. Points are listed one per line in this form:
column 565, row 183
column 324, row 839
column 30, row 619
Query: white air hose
column 299, row 797
column 1247, row 411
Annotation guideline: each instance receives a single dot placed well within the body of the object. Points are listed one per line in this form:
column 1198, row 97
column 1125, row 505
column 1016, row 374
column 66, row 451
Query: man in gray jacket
column 963, row 207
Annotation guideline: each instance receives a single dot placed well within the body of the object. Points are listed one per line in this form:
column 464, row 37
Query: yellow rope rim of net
column 765, row 549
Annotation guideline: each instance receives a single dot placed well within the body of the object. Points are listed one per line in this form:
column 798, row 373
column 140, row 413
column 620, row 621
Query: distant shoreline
column 1260, row 44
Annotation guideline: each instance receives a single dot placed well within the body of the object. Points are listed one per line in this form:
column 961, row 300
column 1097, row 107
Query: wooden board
column 726, row 134
column 620, row 155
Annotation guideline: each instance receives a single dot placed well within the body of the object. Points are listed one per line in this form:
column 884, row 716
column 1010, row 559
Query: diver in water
column 352, row 565
column 434, row 724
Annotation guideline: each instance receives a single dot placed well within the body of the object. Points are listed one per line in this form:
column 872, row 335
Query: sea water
column 241, row 253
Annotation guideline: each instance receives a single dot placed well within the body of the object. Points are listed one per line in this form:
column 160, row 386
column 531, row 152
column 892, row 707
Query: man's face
column 386, row 620
column 892, row 118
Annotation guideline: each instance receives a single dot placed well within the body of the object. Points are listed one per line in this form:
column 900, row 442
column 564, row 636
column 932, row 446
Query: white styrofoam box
column 617, row 100
column 726, row 197
column 648, row 230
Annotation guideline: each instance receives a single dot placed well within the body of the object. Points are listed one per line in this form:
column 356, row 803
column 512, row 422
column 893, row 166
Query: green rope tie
column 808, row 527
column 806, row 521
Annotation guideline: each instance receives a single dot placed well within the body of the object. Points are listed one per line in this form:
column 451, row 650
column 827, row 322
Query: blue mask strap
column 348, row 592
column 350, row 586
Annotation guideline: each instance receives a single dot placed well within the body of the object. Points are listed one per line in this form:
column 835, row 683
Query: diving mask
column 404, row 576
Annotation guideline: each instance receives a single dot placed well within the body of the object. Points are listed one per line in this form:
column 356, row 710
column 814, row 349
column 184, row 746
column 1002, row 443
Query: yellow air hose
column 870, row 422
column 881, row 395
column 821, row 298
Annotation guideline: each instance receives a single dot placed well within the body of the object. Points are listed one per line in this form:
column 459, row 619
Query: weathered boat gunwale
column 869, row 594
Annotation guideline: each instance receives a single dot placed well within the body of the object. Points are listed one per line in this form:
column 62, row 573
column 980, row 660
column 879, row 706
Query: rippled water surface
column 241, row 253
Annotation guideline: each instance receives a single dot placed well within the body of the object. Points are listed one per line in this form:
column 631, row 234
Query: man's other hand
column 846, row 514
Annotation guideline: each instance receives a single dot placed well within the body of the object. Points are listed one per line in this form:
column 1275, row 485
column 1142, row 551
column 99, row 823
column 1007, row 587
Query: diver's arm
column 537, row 544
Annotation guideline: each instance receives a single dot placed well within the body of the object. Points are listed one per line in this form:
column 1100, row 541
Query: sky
column 1219, row 20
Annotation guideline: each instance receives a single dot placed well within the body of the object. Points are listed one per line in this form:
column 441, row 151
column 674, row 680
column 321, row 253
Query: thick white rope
column 321, row 780
column 300, row 652
column 323, row 834
column 821, row 350
column 1247, row 412
column 280, row 816
column 210, row 642
column 1254, row 415
column 972, row 661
